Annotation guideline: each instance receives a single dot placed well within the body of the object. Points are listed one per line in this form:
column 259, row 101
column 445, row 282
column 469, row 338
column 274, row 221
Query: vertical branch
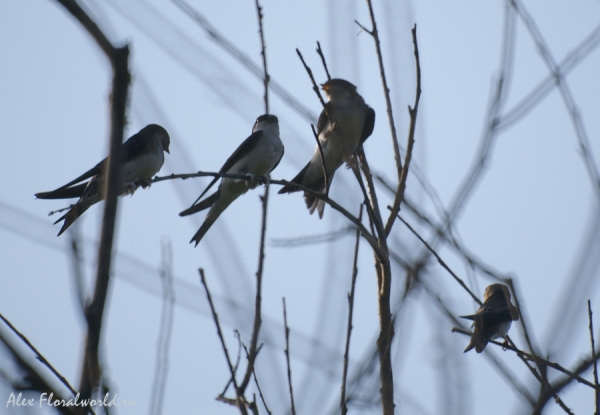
column 287, row 357
column 596, row 391
column 350, row 312
column 261, row 254
column 320, row 52
column 90, row 371
column 239, row 402
column 90, row 376
column 263, row 48
column 78, row 277
column 399, row 198
column 257, row 304
column 375, row 34
column 159, row 383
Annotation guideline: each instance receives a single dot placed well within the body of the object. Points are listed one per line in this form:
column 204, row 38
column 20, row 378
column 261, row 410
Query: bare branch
column 263, row 47
column 38, row 355
column 592, row 343
column 310, row 74
column 77, row 12
column 386, row 89
column 334, row 205
column 240, row 401
column 159, row 383
column 244, row 59
column 439, row 259
column 343, row 405
column 320, row 52
column 257, row 307
column 287, row 357
column 399, row 198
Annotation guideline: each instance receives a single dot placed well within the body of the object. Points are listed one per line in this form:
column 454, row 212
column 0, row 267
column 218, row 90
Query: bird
column 343, row 126
column 493, row 319
column 258, row 155
column 141, row 158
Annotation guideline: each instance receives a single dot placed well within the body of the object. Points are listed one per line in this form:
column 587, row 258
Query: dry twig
column 287, row 357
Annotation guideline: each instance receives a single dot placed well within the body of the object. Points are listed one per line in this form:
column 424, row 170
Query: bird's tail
column 67, row 193
column 71, row 216
column 223, row 200
column 205, row 204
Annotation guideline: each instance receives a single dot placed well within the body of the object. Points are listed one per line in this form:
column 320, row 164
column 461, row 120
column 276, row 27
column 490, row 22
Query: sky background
column 532, row 213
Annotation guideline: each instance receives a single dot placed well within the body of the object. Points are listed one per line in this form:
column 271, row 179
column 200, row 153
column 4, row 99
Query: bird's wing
column 246, row 147
column 55, row 194
column 277, row 164
column 136, row 146
column 323, row 118
column 368, row 125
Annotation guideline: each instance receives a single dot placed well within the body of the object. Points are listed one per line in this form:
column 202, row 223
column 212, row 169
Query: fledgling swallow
column 141, row 158
column 258, row 155
column 344, row 125
column 493, row 319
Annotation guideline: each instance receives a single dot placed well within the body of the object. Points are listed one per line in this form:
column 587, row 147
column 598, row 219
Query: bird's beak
column 167, row 150
column 325, row 87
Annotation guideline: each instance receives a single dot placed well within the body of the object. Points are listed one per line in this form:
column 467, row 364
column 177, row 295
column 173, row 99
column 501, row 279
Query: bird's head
column 339, row 89
column 160, row 133
column 267, row 122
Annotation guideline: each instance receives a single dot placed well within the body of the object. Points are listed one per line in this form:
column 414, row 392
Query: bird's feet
column 130, row 187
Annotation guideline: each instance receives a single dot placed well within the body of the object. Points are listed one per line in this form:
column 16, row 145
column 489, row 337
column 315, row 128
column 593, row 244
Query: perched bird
column 344, row 125
column 258, row 155
column 494, row 317
column 141, row 158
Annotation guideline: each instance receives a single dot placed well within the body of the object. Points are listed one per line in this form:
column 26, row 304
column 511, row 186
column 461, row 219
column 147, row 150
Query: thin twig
column 38, row 355
column 399, row 198
column 322, row 155
column 592, row 343
column 159, row 383
column 386, row 90
column 263, row 48
column 543, row 375
column 262, row 398
column 310, row 74
column 245, row 60
column 287, row 357
column 334, row 205
column 510, row 346
column 257, row 307
column 573, row 111
column 320, row 52
column 439, row 259
column 343, row 405
column 78, row 277
column 240, row 401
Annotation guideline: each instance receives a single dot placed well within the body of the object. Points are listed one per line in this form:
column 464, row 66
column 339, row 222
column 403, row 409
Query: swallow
column 344, row 125
column 258, row 155
column 141, row 158
column 493, row 319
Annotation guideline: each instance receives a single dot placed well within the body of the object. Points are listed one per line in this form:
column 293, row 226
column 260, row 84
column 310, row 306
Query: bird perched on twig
column 141, row 158
column 258, row 155
column 493, row 319
column 344, row 125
